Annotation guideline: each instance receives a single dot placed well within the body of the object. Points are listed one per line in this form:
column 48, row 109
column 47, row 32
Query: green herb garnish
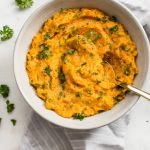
column 100, row 111
column 61, row 93
column 89, row 34
column 119, row 97
column 97, row 19
column 77, row 15
column 91, row 55
column 114, row 28
column 63, row 58
column 71, row 52
column 50, row 84
column 78, row 94
column 114, row 19
column 46, row 36
column 61, row 26
column 97, row 38
column 83, row 64
column 22, row 4
column 127, row 71
column 61, row 77
column 69, row 36
column 4, row 90
column 101, row 95
column 6, row 33
column 79, row 116
column 98, row 81
column 110, row 45
column 125, row 48
column 47, row 70
column 104, row 19
column 44, row 47
column 10, row 106
column 44, row 53
column 89, row 91
column 121, row 86
column 13, row 121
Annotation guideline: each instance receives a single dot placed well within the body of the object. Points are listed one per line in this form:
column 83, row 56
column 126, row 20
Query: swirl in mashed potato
column 68, row 62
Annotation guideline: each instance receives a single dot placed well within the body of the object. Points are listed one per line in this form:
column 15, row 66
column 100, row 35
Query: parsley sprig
column 6, row 33
column 13, row 121
column 4, row 90
column 10, row 106
column 79, row 116
column 22, row 4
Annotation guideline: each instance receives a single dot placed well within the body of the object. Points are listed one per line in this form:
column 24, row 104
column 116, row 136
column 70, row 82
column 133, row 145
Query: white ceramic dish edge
column 75, row 124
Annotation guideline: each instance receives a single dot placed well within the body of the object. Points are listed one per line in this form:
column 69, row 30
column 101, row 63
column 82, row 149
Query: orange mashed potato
column 69, row 60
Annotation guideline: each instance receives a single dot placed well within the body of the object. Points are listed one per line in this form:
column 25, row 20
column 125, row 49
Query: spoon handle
column 139, row 92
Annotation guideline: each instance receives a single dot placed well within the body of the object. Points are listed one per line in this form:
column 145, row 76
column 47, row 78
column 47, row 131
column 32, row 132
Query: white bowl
column 34, row 23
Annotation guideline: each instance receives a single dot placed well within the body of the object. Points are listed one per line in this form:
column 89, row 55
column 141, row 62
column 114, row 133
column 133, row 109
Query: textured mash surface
column 71, row 58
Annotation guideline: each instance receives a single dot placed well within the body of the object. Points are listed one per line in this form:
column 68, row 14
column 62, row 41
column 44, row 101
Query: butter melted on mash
column 69, row 61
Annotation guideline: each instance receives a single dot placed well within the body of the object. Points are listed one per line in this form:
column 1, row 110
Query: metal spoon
column 131, row 88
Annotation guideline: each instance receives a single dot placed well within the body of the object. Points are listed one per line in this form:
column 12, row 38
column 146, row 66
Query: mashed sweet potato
column 69, row 61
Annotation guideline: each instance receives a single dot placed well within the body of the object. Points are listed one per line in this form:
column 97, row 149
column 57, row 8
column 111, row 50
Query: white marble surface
column 138, row 131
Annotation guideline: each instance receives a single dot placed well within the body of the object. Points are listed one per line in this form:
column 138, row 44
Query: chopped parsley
column 49, row 100
column 89, row 91
column 83, row 40
column 4, row 90
column 6, row 33
column 114, row 19
column 104, row 19
column 89, row 34
column 77, row 15
column 13, row 121
column 22, row 4
column 97, row 18
column 119, row 97
column 46, row 36
column 127, row 71
column 101, row 95
column 83, row 64
column 91, row 55
column 44, row 47
column 50, row 84
column 97, row 38
column 114, row 28
column 63, row 58
column 69, row 36
column 61, row 77
column 121, row 86
column 61, row 26
column 125, row 48
column 10, row 106
column 71, row 52
column 78, row 94
column 79, row 116
column 100, row 111
column 110, row 45
column 61, row 93
column 44, row 53
column 47, row 70
column 98, row 81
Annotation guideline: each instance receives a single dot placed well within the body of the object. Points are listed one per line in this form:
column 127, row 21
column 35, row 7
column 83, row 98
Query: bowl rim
column 68, row 126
